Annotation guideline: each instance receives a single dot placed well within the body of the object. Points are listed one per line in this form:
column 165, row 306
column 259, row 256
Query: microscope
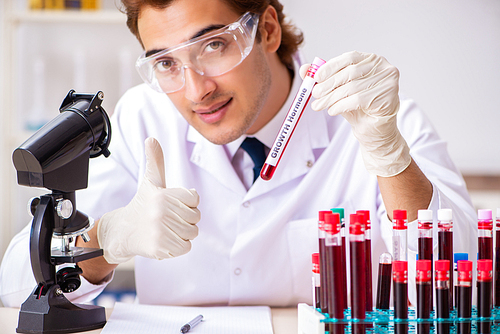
column 57, row 157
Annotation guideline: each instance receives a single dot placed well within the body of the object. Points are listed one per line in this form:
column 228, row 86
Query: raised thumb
column 155, row 166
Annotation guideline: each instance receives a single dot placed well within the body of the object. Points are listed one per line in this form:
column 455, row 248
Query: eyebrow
column 196, row 35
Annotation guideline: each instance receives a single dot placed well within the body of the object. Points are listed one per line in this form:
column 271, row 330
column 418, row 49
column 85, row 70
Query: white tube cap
column 424, row 215
column 484, row 214
column 445, row 214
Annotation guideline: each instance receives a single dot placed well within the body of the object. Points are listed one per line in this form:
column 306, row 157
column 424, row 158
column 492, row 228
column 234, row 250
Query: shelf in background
column 70, row 16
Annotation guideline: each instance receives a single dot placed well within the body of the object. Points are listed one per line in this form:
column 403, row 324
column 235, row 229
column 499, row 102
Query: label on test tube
column 291, row 120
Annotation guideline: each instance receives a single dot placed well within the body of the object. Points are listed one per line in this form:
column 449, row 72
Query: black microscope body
column 57, row 157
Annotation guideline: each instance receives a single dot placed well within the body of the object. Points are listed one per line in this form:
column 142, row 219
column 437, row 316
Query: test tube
column 457, row 257
column 365, row 217
column 316, row 284
column 323, row 260
column 443, row 295
column 484, row 295
column 333, row 245
column 400, row 280
column 358, row 271
column 384, row 281
column 340, row 211
column 485, row 235
column 464, row 305
column 290, row 122
column 400, row 235
column 425, row 247
column 497, row 260
column 423, row 279
column 445, row 243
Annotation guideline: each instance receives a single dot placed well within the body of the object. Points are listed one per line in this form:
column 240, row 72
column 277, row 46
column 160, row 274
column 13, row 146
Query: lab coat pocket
column 302, row 243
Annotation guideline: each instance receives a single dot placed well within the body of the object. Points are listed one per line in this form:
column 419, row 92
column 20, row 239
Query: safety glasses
column 213, row 54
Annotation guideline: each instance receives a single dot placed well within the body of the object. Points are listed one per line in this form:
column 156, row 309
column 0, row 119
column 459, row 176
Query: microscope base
column 54, row 314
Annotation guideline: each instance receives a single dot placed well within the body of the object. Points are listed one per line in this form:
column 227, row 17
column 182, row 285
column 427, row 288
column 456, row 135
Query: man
column 253, row 241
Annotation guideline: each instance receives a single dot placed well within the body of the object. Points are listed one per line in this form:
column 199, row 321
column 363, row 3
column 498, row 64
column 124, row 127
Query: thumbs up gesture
column 158, row 223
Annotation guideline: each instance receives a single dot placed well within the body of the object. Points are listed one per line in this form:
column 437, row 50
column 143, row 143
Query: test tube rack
column 312, row 321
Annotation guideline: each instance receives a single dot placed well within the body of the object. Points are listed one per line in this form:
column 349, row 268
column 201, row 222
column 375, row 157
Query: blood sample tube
column 333, row 244
column 423, row 280
column 400, row 235
column 457, row 257
column 365, row 217
column 384, row 281
column 497, row 260
column 358, row 270
column 485, row 235
column 340, row 211
column 291, row 120
column 464, row 305
column 445, row 244
column 400, row 280
column 316, row 283
column 443, row 295
column 484, row 295
column 425, row 247
column 323, row 260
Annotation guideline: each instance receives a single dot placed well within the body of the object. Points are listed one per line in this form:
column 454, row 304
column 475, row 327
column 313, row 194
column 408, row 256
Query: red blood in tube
column 384, row 286
column 316, row 272
column 445, row 242
column 323, row 260
column 464, row 306
column 358, row 271
column 334, row 269
column 400, row 280
column 424, row 294
column 267, row 172
column 497, row 266
column 484, row 293
column 443, row 294
column 365, row 216
column 485, row 247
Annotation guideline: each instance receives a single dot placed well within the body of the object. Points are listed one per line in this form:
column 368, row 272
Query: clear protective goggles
column 211, row 55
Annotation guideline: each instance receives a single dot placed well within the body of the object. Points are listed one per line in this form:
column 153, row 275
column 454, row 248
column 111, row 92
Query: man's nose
column 197, row 86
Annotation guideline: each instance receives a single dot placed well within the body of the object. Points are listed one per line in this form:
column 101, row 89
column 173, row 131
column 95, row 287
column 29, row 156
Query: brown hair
column 291, row 37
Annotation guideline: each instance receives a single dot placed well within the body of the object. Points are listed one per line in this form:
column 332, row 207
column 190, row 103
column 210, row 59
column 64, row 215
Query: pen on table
column 187, row 327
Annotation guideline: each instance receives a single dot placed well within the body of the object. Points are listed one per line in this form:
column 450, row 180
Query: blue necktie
column 255, row 149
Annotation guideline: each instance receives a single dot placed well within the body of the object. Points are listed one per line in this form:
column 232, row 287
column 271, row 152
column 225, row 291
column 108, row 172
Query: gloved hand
column 363, row 88
column 158, row 222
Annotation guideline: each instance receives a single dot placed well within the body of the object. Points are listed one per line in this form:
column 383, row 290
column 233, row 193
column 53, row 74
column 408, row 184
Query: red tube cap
column 399, row 214
column 355, row 226
column 464, row 265
column 332, row 223
column 484, row 265
column 321, row 215
column 424, row 265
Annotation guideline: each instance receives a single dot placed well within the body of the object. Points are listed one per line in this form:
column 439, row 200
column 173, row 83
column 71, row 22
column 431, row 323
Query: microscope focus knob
column 64, row 208
column 32, row 204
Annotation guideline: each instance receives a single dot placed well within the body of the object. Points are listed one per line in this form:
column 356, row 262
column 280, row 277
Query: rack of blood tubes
column 443, row 315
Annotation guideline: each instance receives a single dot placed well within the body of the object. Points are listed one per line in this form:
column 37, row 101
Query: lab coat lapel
column 213, row 159
column 311, row 133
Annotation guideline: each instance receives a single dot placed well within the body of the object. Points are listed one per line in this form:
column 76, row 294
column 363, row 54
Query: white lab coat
column 254, row 247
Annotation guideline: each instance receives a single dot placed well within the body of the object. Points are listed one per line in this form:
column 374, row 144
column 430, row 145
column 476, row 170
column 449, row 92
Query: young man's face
column 221, row 108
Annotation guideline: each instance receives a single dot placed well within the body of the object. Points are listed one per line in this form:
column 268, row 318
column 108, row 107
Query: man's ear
column 270, row 29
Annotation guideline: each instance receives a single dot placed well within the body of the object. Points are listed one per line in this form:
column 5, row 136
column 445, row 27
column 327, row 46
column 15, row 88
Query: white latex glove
column 158, row 222
column 363, row 88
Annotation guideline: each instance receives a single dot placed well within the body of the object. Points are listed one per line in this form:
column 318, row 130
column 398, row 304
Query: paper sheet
column 147, row 319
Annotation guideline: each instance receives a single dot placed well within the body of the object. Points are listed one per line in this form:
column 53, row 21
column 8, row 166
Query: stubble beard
column 251, row 114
